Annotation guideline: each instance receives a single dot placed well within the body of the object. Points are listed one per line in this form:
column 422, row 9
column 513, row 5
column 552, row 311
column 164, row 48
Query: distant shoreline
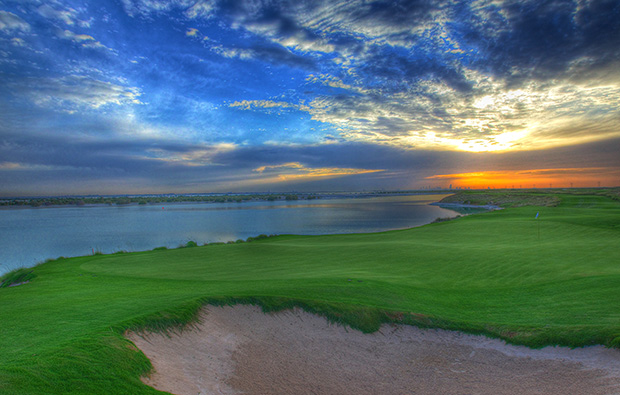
column 132, row 201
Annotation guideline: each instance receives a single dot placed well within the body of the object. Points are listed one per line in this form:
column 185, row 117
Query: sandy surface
column 242, row 350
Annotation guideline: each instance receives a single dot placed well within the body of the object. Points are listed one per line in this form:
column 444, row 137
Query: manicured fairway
column 551, row 280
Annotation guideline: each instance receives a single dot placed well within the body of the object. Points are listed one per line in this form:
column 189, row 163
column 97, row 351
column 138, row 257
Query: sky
column 198, row 96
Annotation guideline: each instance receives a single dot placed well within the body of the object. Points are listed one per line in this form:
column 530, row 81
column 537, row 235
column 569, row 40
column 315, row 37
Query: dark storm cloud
column 55, row 151
column 542, row 39
column 406, row 70
column 281, row 56
column 349, row 155
column 399, row 13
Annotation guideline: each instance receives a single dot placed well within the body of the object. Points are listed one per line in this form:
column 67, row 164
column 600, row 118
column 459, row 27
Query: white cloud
column 9, row 165
column 198, row 155
column 14, row 166
column 191, row 8
column 68, row 16
column 74, row 92
column 201, row 9
column 78, row 38
column 433, row 115
column 295, row 170
column 10, row 21
column 87, row 23
column 85, row 40
column 317, row 23
column 499, row 119
column 298, row 41
column 334, row 82
column 133, row 7
column 232, row 53
column 18, row 42
column 267, row 104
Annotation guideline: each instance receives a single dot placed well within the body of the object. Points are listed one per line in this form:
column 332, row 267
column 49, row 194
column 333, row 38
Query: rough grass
column 504, row 199
column 16, row 277
column 489, row 273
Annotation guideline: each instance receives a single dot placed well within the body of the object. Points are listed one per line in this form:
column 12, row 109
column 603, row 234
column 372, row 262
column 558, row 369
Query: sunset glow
column 538, row 178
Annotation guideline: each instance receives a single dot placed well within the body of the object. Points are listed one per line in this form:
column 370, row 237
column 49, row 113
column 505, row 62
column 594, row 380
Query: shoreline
column 208, row 199
column 216, row 206
column 489, row 207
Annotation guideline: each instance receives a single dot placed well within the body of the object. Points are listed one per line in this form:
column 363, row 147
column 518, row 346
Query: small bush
column 438, row 219
column 160, row 248
column 259, row 237
column 191, row 244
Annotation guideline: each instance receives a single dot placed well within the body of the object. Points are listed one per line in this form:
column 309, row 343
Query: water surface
column 32, row 235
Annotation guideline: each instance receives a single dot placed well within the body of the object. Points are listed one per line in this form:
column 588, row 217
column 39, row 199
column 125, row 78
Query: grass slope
column 490, row 273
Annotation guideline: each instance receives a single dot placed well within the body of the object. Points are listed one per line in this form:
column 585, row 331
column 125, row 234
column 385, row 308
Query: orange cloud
column 296, row 170
column 534, row 178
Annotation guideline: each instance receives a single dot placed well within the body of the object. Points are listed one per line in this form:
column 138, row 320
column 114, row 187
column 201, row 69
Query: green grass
column 16, row 277
column 487, row 273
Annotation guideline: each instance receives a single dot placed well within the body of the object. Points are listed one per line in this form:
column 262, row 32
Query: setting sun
column 538, row 178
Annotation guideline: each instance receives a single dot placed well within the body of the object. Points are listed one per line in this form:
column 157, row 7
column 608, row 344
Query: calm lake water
column 31, row 235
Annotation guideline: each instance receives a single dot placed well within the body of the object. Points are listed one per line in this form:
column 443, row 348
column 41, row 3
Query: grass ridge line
column 363, row 318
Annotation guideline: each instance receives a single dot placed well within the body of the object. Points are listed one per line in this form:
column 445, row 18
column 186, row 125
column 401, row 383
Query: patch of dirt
column 242, row 350
column 17, row 284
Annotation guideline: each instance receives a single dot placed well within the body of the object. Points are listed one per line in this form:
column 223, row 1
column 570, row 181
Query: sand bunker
column 242, row 350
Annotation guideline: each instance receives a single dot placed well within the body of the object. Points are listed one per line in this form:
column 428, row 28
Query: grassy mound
column 551, row 280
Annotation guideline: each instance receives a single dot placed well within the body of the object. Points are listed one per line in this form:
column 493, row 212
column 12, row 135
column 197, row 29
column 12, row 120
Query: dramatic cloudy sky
column 148, row 96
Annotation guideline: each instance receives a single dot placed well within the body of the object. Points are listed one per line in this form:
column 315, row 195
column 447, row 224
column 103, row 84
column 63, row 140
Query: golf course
column 544, row 270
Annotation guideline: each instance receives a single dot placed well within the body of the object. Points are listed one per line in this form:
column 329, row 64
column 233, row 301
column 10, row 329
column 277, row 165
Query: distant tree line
column 143, row 200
